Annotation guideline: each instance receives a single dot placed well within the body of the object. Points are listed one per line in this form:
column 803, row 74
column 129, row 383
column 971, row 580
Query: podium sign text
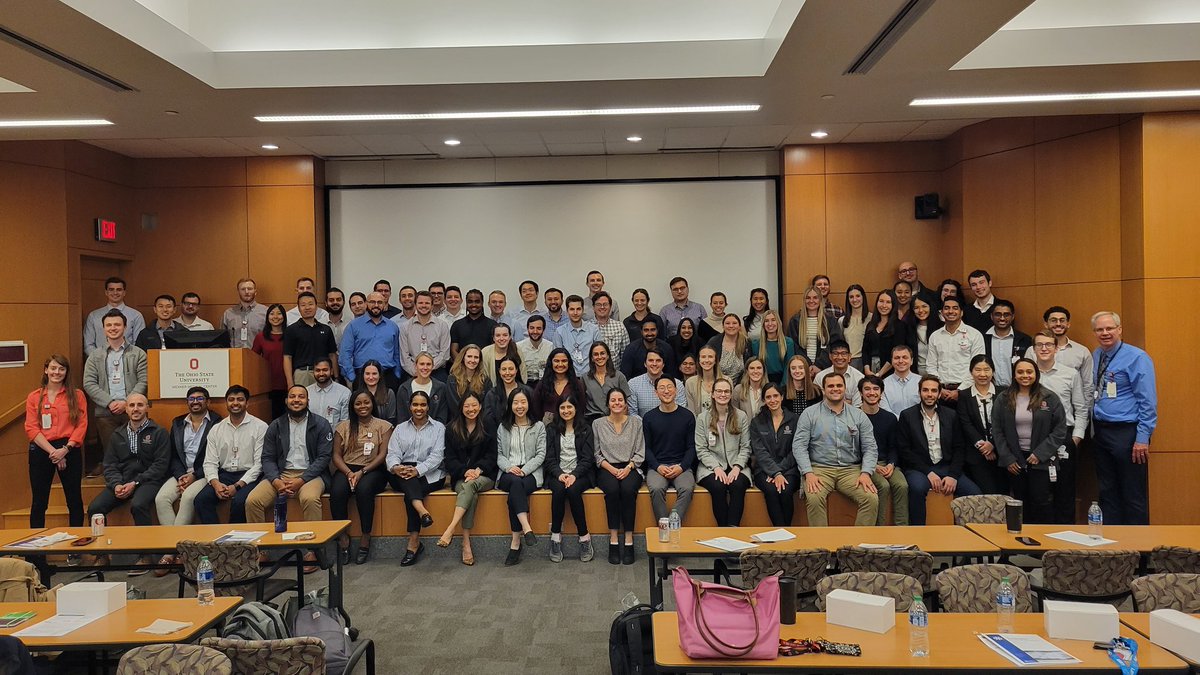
column 181, row 369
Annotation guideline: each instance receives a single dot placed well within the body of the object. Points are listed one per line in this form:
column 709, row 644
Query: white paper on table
column 772, row 536
column 887, row 547
column 1025, row 649
column 1080, row 538
column 56, row 626
column 48, row 540
column 727, row 544
column 240, row 536
column 293, row 536
column 164, row 627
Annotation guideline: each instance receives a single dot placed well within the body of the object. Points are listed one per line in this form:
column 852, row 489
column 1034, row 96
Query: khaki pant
column 303, row 377
column 894, row 488
column 169, row 493
column 260, row 505
column 468, row 497
column 843, row 479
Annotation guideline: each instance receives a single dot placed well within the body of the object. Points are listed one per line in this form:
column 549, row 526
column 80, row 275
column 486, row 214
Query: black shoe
column 411, row 557
column 614, row 554
column 361, row 558
column 426, row 521
column 530, row 538
column 513, row 557
column 345, row 554
column 627, row 554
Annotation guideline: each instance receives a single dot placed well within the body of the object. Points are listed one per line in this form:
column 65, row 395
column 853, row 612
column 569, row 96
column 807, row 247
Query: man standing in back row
column 1123, row 419
column 93, row 327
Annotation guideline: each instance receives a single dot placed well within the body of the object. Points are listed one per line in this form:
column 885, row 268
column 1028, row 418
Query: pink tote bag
column 720, row 622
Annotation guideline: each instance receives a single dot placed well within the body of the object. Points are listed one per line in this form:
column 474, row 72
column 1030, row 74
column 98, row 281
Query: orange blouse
column 60, row 417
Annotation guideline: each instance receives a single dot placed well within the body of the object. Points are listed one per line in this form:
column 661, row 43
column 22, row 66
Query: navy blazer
column 178, row 456
column 318, row 441
column 912, row 444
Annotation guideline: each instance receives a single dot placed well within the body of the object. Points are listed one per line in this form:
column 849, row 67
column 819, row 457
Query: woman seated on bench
column 471, row 463
column 359, row 449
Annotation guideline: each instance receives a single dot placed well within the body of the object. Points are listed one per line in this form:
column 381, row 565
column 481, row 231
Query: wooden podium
column 244, row 367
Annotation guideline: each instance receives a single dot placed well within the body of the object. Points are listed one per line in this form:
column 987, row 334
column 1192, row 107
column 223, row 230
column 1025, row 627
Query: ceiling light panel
column 1056, row 98
column 512, row 114
column 33, row 124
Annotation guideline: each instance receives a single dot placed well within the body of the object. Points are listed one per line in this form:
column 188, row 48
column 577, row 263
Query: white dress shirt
column 950, row 353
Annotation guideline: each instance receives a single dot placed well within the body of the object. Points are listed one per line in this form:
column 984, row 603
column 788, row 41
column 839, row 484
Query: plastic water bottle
column 675, row 524
column 1006, row 602
column 1095, row 521
column 204, row 582
column 918, row 628
column 281, row 506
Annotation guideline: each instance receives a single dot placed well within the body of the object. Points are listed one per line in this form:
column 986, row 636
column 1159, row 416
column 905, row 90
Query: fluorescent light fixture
column 452, row 141
column 819, row 134
column 510, row 114
column 270, row 146
column 16, row 124
column 634, row 139
column 1056, row 98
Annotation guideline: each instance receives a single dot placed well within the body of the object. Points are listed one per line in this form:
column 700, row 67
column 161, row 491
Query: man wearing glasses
column 185, row 474
column 907, row 272
column 189, row 313
column 1068, row 386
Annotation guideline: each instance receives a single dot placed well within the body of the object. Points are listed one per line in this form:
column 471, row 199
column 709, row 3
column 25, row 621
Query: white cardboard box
column 1177, row 632
column 1096, row 621
column 863, row 611
column 91, row 598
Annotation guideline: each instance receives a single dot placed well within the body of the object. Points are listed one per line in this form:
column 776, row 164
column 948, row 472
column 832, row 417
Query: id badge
column 1110, row 390
column 47, row 422
column 712, row 439
column 368, row 447
column 116, row 376
column 329, row 411
column 1053, row 473
column 244, row 333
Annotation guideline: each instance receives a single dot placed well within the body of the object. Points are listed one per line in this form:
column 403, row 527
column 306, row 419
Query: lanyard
column 1102, row 366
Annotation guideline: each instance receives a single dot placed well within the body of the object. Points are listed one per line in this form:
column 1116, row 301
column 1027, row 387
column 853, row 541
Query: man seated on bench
column 135, row 465
column 297, row 450
column 232, row 460
column 929, row 441
column 835, row 449
column 670, row 431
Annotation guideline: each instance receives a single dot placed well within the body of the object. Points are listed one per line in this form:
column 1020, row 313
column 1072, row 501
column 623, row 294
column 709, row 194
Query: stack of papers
column 56, row 626
column 888, row 547
column 298, row 536
column 1080, row 538
column 240, row 536
column 164, row 627
column 1026, row 649
column 728, row 544
column 772, row 536
column 48, row 540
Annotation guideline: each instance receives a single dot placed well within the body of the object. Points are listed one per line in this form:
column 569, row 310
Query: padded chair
column 1166, row 591
column 972, row 588
column 292, row 656
column 914, row 563
column 901, row 587
column 236, row 569
column 1179, row 559
column 174, row 659
column 1088, row 576
column 978, row 509
column 807, row 567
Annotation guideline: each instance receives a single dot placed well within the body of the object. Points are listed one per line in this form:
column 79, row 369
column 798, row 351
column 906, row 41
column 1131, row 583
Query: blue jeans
column 918, row 488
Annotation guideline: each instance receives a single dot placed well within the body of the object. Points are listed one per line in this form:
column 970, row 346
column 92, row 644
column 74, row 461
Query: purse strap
column 722, row 647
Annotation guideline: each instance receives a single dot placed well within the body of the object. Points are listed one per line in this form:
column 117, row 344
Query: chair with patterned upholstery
column 912, row 562
column 978, row 509
column 806, row 566
column 1168, row 590
column 235, row 569
column 292, row 656
column 174, row 659
column 972, row 588
column 1180, row 559
column 1089, row 576
column 900, row 587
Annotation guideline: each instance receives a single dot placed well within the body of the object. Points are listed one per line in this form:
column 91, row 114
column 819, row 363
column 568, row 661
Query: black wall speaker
column 926, row 207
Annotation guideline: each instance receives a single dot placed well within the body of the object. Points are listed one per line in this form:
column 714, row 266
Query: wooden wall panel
column 1062, row 126
column 279, row 171
column 35, row 239
column 884, row 157
column 998, row 210
column 207, row 172
column 89, row 198
column 1173, row 497
column 804, row 245
column 1171, row 143
column 282, row 241
column 1077, row 208
column 803, row 159
column 996, row 135
column 1170, row 338
column 953, row 224
column 1133, row 263
column 1082, row 300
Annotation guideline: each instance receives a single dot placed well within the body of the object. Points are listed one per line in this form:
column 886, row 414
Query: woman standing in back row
column 56, row 423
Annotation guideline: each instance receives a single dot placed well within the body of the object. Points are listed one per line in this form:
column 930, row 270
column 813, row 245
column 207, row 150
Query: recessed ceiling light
column 826, row 97
column 270, row 146
column 452, row 141
column 1056, row 98
column 819, row 134
column 171, row 112
column 634, row 139
column 11, row 124
column 591, row 112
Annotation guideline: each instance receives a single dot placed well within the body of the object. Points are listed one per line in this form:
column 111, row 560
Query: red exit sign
column 106, row 230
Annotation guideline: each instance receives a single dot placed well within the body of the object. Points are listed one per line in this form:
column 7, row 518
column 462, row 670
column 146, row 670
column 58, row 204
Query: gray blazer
column 721, row 450
column 96, row 381
column 532, row 457
column 1049, row 430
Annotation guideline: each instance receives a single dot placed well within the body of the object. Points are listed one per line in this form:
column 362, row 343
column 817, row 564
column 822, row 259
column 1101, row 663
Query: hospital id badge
column 368, row 447
column 1053, row 473
column 1110, row 390
column 243, row 338
column 47, row 421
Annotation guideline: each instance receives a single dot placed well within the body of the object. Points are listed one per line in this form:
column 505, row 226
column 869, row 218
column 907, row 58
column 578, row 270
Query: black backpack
column 631, row 642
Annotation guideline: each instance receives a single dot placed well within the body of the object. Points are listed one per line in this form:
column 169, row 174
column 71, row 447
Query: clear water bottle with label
column 204, row 582
column 675, row 524
column 1095, row 521
column 1006, row 602
column 918, row 628
column 281, row 507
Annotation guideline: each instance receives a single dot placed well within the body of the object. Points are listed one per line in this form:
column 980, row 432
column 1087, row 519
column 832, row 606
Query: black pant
column 41, row 477
column 991, row 479
column 372, row 483
column 206, row 500
column 620, row 499
column 781, row 504
column 561, row 495
column 728, row 501
column 141, row 503
column 1032, row 486
column 1064, row 489
column 413, row 489
column 1124, row 496
column 518, row 488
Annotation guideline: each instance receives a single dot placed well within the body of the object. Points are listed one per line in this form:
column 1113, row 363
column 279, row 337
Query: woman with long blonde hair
column 732, row 347
column 772, row 347
column 56, row 422
column 799, row 389
column 698, row 387
column 723, row 454
column 467, row 376
column 813, row 328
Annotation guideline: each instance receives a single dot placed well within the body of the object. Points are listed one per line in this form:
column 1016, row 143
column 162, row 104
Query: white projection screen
column 719, row 234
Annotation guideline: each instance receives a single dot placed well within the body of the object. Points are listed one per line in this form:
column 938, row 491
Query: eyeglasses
column 1044, row 345
column 196, row 399
column 908, row 270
